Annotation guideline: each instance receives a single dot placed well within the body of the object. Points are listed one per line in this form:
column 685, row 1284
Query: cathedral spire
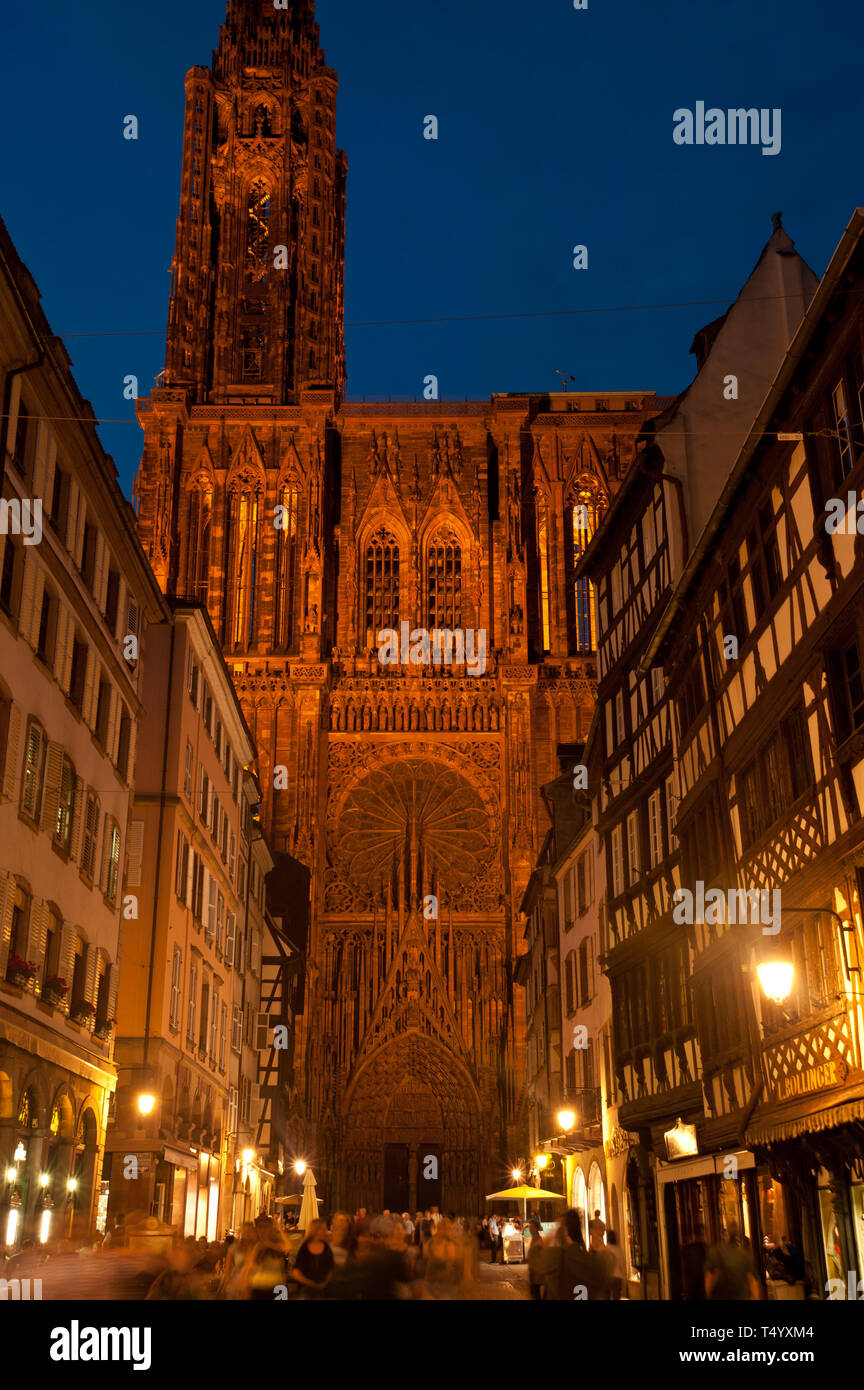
column 258, row 275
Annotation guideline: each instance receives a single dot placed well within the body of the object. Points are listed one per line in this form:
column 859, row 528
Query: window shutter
column 68, row 943
column 51, row 791
column 91, row 970
column 90, row 682
column 100, row 580
column 28, row 595
column 106, row 852
column 113, row 723
column 134, row 852
column 10, row 738
column 78, row 534
column 133, row 620
column 112, row 991
column 79, row 811
column 63, row 647
column 7, row 898
column 230, row 938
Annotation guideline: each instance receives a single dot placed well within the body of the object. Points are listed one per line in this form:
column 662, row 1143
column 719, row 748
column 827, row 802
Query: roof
column 846, row 248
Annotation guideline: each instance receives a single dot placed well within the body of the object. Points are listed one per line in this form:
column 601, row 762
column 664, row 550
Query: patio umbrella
column 522, row 1194
column 309, row 1207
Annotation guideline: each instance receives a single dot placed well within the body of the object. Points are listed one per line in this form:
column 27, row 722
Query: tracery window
column 200, row 517
column 286, row 566
column 543, row 560
column 382, row 585
column 243, row 567
column 584, row 517
column 444, row 583
column 258, row 259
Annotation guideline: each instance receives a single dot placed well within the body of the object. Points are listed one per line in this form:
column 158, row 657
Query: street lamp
column 516, row 1174
column 248, row 1156
column 146, row 1103
column 566, row 1120
column 776, row 978
column 300, row 1167
column 541, row 1161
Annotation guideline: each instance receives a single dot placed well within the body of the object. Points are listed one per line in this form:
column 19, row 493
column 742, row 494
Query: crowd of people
column 387, row 1255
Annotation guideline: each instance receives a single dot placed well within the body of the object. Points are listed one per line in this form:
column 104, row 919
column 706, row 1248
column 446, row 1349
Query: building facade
column 188, row 1002
column 76, row 594
column 762, row 647
column 635, row 559
column 310, row 525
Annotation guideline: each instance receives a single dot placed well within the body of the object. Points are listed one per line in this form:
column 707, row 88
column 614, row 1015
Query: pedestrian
column 576, row 1273
column 116, row 1238
column 596, row 1231
column 730, row 1273
column 616, row 1267
column 536, row 1260
column 494, row 1238
column 313, row 1263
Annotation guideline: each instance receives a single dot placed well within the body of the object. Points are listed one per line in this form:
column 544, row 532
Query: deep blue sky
column 555, row 129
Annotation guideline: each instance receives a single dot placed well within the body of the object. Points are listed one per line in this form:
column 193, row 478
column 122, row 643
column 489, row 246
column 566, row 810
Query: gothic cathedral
column 307, row 524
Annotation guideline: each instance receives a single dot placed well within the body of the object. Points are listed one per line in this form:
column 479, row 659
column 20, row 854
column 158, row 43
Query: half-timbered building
column 635, row 560
column 763, row 644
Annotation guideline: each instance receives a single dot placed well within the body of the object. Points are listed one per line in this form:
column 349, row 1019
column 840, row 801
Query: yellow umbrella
column 522, row 1194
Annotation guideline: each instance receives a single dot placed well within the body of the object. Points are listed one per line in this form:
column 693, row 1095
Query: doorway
column 429, row 1185
column 395, row 1196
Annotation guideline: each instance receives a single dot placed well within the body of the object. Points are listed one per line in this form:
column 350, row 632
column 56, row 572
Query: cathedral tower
column 307, row 525
column 257, row 280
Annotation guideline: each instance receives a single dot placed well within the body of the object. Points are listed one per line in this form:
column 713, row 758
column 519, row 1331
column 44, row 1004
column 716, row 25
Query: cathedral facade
column 309, row 525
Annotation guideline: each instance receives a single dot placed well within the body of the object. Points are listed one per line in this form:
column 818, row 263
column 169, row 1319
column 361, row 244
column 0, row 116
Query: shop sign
column 818, row 1078
column 681, row 1141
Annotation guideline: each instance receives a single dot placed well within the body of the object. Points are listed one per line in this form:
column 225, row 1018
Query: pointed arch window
column 382, row 585
column 242, row 567
column 258, row 232
column 444, row 582
column 286, row 567
column 543, row 561
column 200, row 518
column 582, row 521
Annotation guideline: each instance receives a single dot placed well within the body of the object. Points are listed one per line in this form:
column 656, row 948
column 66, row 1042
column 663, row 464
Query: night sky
column 555, row 129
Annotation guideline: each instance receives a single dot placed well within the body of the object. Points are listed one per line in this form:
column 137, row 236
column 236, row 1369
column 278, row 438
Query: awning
column 684, row 1169
column 774, row 1131
column 180, row 1159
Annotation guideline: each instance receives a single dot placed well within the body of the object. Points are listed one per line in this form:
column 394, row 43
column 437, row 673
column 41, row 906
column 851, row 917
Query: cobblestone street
column 501, row 1281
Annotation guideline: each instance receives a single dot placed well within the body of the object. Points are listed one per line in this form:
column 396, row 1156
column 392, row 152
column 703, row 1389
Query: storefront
column 702, row 1200
column 816, row 1161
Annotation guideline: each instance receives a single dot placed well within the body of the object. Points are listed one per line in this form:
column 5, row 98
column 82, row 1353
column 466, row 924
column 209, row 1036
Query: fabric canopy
column 524, row 1194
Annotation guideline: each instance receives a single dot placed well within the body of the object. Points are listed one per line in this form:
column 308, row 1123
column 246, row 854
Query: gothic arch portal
column 444, row 1115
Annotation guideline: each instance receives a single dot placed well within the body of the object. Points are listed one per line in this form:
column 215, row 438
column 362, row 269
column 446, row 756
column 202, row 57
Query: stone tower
column 308, row 525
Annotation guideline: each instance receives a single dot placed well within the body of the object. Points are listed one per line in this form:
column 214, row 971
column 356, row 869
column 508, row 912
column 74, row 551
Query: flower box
column 83, row 1012
column 103, row 1029
column 20, row 973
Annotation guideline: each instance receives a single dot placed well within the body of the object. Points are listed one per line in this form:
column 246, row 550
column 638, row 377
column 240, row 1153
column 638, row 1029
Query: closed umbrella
column 310, row 1204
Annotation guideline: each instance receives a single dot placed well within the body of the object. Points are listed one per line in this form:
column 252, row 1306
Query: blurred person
column 115, row 1238
column 237, row 1255
column 443, row 1263
column 616, row 1266
column 313, row 1263
column 494, row 1238
column 266, row 1266
column 596, row 1231
column 341, row 1238
column 730, row 1273
column 536, row 1259
column 408, row 1224
column 573, row 1268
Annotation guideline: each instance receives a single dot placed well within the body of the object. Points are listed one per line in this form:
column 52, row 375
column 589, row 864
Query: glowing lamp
column 776, row 977
column 541, row 1161
column 517, row 1173
column 566, row 1120
column 248, row 1155
column 300, row 1167
column 146, row 1103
